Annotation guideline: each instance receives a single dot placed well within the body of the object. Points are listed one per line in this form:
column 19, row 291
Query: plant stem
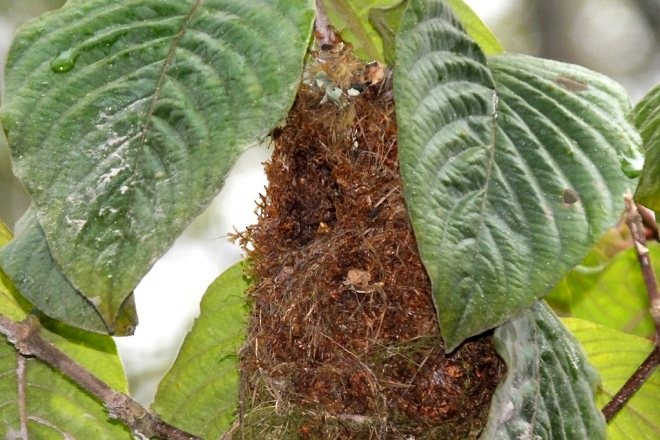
column 22, row 401
column 632, row 385
column 324, row 33
column 29, row 343
column 634, row 221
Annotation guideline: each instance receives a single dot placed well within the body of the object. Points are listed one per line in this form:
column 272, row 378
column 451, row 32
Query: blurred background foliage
column 620, row 38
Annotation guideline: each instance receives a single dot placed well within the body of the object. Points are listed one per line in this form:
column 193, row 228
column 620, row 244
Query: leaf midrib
column 492, row 144
column 144, row 132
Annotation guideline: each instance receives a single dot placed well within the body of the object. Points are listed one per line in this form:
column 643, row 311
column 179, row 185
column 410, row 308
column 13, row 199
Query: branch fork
column 26, row 338
column 634, row 220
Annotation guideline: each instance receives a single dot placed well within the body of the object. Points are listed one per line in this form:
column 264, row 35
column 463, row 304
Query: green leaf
column 200, row 392
column 613, row 242
column 29, row 264
column 611, row 294
column 5, row 234
column 12, row 305
column 124, row 118
column 512, row 168
column 371, row 26
column 386, row 22
column 549, row 389
column 351, row 18
column 616, row 356
column 55, row 407
column 647, row 121
column 476, row 29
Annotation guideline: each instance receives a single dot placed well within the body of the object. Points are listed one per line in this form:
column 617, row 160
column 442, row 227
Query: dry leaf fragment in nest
column 374, row 72
column 358, row 280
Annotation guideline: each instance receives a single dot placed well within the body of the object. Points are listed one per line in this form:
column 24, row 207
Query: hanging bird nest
column 343, row 339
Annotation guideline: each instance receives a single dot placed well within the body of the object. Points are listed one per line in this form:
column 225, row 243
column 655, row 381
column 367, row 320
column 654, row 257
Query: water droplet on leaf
column 64, row 61
column 632, row 165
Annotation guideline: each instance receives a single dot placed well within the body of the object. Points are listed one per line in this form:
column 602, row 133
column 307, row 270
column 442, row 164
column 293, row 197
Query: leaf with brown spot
column 492, row 152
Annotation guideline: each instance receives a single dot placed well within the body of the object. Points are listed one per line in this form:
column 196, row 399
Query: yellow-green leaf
column 200, row 392
column 616, row 356
column 476, row 28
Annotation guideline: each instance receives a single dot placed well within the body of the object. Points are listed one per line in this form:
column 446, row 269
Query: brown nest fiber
column 343, row 341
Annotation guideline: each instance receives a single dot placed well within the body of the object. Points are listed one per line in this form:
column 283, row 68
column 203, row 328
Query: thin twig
column 631, row 386
column 634, row 221
column 22, row 401
column 29, row 343
column 635, row 382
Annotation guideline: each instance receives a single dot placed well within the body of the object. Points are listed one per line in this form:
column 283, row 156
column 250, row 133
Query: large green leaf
column 200, row 392
column 647, row 120
column 616, row 356
column 29, row 264
column 612, row 293
column 351, row 18
column 124, row 118
column 386, row 21
column 55, row 407
column 549, row 389
column 476, row 29
column 512, row 167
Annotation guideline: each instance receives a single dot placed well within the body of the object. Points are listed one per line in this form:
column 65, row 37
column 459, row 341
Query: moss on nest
column 343, row 341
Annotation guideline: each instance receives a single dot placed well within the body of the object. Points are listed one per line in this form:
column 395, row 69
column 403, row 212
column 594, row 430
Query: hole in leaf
column 570, row 197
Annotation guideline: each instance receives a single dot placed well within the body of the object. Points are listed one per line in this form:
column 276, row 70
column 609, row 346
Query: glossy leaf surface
column 28, row 262
column 513, row 167
column 549, row 389
column 124, row 118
